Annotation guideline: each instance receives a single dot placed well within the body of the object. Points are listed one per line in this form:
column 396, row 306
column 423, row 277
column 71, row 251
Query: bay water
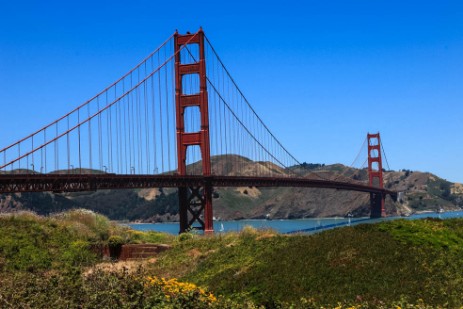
column 288, row 226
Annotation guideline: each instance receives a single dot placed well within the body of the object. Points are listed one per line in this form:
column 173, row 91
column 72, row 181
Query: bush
column 87, row 224
column 32, row 243
column 102, row 289
column 115, row 241
column 79, row 254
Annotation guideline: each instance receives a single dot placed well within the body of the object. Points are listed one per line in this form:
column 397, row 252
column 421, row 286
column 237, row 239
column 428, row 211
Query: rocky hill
column 420, row 192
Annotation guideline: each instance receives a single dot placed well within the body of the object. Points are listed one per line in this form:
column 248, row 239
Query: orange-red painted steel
column 375, row 173
column 193, row 200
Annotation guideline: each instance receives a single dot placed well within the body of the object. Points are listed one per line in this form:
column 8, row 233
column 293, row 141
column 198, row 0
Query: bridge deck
column 11, row 183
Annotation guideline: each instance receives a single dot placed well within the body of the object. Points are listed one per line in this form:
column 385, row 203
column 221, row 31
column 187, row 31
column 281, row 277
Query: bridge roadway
column 12, row 183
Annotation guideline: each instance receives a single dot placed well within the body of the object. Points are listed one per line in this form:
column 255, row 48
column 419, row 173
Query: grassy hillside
column 48, row 262
column 384, row 263
column 33, row 243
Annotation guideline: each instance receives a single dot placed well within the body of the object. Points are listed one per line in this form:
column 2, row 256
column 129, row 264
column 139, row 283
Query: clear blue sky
column 321, row 74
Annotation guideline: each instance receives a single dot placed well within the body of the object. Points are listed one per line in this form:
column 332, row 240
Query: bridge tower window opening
column 192, row 119
column 190, row 84
column 189, row 54
column 193, row 160
column 374, row 166
column 374, row 153
column 373, row 141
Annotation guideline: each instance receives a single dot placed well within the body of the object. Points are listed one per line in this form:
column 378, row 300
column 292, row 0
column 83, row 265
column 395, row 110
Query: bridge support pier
column 195, row 206
column 377, row 205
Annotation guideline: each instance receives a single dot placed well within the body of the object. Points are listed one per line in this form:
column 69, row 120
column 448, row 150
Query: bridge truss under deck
column 10, row 183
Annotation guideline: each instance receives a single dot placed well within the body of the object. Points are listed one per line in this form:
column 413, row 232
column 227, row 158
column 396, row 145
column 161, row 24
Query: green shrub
column 79, row 253
column 32, row 243
column 115, row 241
column 137, row 237
column 86, row 224
column 102, row 289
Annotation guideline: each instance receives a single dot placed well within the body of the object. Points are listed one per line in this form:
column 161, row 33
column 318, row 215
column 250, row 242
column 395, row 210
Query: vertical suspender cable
column 153, row 110
column 44, row 163
column 168, row 114
column 160, row 117
column 147, row 133
column 78, row 133
column 68, row 147
column 89, row 139
column 100, row 154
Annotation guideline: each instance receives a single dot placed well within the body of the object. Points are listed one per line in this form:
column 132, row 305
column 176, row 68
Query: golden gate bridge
column 165, row 123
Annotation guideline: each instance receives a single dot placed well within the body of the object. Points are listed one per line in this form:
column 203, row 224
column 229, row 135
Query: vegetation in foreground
column 49, row 263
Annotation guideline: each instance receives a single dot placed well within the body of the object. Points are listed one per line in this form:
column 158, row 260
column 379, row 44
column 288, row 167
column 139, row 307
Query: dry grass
column 125, row 266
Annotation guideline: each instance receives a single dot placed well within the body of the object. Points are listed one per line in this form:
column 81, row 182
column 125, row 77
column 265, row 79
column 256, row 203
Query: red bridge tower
column 375, row 173
column 195, row 203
